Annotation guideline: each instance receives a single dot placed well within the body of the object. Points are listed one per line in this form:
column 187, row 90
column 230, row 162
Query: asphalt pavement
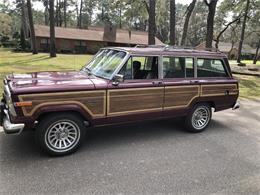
column 152, row 157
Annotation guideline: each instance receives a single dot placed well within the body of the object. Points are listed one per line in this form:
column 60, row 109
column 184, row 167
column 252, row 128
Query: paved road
column 144, row 158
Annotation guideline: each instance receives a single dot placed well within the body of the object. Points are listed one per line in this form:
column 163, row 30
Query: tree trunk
column 65, row 13
column 256, row 53
column 80, row 15
column 46, row 12
column 210, row 22
column 52, row 30
column 32, row 32
column 172, row 22
column 189, row 11
column 242, row 32
column 120, row 16
column 22, row 40
column 24, row 23
column 151, row 28
column 56, row 15
column 60, row 15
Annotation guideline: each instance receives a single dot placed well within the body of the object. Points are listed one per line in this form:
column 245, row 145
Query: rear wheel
column 198, row 119
column 60, row 134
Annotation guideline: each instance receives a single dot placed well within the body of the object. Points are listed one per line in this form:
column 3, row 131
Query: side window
column 140, row 67
column 211, row 68
column 178, row 67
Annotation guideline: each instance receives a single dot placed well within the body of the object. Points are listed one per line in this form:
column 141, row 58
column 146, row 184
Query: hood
column 53, row 81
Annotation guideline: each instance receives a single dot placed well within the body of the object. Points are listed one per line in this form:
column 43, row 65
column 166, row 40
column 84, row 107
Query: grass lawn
column 26, row 62
column 244, row 61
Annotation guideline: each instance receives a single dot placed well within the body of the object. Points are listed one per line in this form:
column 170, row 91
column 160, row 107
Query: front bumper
column 10, row 128
column 236, row 106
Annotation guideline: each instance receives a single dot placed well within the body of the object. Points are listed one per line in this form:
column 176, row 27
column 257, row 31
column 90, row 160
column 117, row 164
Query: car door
column 181, row 86
column 139, row 93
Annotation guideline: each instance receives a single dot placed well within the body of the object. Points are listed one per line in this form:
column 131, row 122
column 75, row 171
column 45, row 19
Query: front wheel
column 198, row 119
column 60, row 134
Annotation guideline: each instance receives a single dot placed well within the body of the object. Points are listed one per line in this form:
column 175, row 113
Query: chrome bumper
column 236, row 106
column 11, row 128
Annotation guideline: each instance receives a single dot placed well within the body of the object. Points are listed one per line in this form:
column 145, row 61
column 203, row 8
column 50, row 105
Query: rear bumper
column 236, row 106
column 10, row 128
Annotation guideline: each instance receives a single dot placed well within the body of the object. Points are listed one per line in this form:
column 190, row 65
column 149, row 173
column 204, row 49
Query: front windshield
column 105, row 63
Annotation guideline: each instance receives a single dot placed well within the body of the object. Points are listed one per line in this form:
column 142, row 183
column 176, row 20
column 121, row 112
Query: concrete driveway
column 143, row 158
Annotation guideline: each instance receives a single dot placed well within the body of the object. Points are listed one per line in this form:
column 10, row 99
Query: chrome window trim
column 195, row 67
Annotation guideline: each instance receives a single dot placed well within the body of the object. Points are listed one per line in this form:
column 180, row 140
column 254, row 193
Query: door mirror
column 118, row 78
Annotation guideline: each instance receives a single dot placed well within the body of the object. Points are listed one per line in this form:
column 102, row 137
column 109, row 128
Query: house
column 89, row 40
column 231, row 51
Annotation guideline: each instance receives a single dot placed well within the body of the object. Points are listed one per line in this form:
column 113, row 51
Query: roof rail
column 168, row 47
column 149, row 46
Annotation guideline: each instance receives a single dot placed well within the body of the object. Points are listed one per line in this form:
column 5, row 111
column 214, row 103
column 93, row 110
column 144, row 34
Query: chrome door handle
column 192, row 81
column 157, row 82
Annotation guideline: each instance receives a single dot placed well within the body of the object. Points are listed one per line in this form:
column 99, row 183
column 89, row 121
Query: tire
column 198, row 118
column 60, row 134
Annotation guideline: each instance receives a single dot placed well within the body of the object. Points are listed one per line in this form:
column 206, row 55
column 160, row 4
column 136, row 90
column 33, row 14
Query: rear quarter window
column 211, row 68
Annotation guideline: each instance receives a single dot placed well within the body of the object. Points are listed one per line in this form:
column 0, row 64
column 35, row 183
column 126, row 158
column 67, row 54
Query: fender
column 61, row 108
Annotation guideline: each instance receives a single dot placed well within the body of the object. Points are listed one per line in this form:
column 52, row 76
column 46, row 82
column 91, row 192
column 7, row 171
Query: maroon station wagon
column 118, row 85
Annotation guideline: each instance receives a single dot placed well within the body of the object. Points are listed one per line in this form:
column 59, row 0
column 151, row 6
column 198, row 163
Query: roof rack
column 168, row 47
column 149, row 46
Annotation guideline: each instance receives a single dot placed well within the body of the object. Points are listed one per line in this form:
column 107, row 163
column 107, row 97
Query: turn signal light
column 22, row 104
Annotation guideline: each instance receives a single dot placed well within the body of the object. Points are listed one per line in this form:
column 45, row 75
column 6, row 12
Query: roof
column 94, row 34
column 162, row 50
column 226, row 47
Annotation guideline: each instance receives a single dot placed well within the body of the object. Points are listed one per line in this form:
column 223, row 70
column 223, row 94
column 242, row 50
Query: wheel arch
column 73, row 109
column 211, row 103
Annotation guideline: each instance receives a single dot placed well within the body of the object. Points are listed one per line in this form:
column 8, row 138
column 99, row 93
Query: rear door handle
column 157, row 82
column 194, row 81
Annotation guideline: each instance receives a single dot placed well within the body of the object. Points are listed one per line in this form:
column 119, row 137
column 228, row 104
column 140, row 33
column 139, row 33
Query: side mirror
column 118, row 78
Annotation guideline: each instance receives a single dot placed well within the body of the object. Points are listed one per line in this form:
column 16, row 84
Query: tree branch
column 226, row 27
column 206, row 2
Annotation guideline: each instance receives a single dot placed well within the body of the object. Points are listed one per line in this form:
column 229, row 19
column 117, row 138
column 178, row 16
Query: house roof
column 95, row 34
column 226, row 47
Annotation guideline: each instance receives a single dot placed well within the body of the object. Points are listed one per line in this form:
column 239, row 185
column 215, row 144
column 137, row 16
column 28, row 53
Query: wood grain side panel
column 180, row 96
column 93, row 102
column 124, row 101
column 218, row 90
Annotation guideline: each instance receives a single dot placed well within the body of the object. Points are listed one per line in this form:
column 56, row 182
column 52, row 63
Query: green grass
column 249, row 86
column 26, row 62
column 245, row 62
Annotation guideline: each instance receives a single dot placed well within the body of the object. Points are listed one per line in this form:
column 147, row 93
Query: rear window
column 210, row 68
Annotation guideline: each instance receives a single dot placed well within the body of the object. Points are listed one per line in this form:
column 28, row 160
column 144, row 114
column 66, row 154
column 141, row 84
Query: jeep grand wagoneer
column 118, row 85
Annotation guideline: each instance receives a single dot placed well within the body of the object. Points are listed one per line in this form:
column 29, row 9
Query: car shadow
column 100, row 138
